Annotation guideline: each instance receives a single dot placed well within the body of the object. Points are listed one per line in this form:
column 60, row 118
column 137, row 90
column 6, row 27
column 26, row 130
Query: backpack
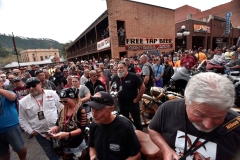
column 152, row 80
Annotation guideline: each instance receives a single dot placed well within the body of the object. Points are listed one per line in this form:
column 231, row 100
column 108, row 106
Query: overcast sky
column 65, row 20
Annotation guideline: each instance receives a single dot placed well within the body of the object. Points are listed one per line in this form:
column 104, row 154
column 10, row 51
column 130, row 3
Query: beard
column 34, row 93
column 121, row 75
column 196, row 125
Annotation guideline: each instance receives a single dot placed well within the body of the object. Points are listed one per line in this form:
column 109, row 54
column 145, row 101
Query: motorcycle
column 152, row 102
column 181, row 77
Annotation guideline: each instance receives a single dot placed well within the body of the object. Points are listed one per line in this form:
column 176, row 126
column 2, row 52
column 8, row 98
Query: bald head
column 143, row 59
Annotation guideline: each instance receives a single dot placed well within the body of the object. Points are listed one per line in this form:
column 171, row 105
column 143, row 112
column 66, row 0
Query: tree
column 63, row 51
column 3, row 52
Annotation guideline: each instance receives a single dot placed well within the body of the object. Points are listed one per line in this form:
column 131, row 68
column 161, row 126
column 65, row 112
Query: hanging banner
column 103, row 44
column 228, row 23
column 148, row 43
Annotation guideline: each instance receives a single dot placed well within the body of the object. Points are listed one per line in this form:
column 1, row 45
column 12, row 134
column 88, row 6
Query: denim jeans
column 47, row 147
column 13, row 136
column 134, row 109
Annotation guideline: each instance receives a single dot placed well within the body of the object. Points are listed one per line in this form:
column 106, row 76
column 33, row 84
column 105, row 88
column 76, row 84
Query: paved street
column 34, row 151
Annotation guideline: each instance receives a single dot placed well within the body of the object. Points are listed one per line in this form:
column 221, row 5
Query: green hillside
column 28, row 43
column 22, row 43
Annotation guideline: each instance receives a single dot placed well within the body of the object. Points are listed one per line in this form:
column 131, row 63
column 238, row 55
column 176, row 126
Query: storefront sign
column 201, row 28
column 219, row 40
column 103, row 44
column 148, row 43
column 228, row 23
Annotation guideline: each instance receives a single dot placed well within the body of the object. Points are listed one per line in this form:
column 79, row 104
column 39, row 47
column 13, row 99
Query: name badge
column 120, row 88
column 40, row 115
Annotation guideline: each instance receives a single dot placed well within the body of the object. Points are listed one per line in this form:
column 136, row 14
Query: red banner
column 148, row 47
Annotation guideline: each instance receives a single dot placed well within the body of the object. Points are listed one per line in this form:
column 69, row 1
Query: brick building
column 147, row 27
column 212, row 20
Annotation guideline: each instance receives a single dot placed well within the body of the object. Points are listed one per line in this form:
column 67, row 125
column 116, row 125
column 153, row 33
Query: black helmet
column 99, row 88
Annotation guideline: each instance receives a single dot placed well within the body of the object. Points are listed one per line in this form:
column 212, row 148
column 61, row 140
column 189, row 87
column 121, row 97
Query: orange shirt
column 177, row 64
column 202, row 56
column 170, row 63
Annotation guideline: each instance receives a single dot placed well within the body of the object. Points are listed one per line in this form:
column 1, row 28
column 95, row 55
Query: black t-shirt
column 64, row 80
column 92, row 86
column 168, row 71
column 72, row 125
column 32, row 73
column 130, row 85
column 114, row 141
column 170, row 122
column 131, row 69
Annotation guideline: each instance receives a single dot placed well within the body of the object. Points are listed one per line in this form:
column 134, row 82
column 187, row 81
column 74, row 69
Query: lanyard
column 38, row 103
column 194, row 146
column 121, row 80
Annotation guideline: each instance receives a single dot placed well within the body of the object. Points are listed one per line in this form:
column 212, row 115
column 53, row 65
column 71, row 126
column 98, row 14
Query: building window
column 34, row 59
column 41, row 58
column 46, row 57
column 121, row 32
column 33, row 54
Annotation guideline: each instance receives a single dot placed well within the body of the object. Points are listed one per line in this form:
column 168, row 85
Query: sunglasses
column 29, row 86
column 101, row 100
column 64, row 101
column 122, row 62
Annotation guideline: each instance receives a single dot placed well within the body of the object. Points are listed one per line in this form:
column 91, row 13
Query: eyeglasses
column 64, row 101
column 29, row 86
column 101, row 100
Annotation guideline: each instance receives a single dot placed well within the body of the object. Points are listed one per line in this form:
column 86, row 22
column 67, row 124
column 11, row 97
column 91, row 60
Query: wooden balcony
column 88, row 49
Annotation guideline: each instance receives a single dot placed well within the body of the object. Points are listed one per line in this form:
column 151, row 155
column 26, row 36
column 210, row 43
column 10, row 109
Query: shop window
column 121, row 32
column 122, row 55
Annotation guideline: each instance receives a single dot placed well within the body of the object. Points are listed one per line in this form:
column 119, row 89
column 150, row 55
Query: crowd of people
column 49, row 102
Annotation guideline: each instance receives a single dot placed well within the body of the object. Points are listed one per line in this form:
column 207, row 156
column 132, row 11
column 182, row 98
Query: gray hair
column 211, row 89
column 86, row 71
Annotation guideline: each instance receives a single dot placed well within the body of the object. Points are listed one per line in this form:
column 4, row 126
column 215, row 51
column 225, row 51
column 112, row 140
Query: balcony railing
column 90, row 48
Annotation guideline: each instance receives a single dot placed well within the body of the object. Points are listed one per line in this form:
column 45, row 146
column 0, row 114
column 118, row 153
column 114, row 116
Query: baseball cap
column 100, row 100
column 16, row 79
column 32, row 64
column 32, row 81
column 69, row 93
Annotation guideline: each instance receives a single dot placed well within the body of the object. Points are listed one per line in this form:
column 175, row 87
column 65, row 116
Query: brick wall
column 220, row 11
column 182, row 12
column 141, row 20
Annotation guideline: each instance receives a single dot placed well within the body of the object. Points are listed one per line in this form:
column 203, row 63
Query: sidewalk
column 34, row 150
